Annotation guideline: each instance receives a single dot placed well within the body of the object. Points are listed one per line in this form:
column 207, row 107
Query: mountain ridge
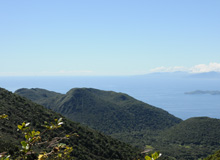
column 137, row 123
column 89, row 144
column 123, row 111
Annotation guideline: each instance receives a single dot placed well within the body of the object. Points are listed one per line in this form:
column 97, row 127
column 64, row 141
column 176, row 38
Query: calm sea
column 165, row 93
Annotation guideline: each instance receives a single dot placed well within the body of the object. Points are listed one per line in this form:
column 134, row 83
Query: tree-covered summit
column 106, row 111
column 89, row 144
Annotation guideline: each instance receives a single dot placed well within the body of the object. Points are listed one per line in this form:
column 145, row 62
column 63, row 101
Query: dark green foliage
column 215, row 156
column 135, row 122
column 89, row 145
column 106, row 111
column 198, row 131
column 191, row 139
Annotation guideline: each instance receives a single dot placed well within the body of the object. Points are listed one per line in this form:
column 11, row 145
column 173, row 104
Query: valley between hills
column 101, row 117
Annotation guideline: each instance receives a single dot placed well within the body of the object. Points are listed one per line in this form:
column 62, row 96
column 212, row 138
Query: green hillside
column 199, row 131
column 133, row 121
column 88, row 145
column 191, row 139
column 106, row 111
column 112, row 113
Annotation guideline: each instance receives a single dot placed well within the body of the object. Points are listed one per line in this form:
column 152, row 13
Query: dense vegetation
column 199, row 131
column 88, row 145
column 135, row 122
column 106, row 111
column 191, row 139
column 215, row 156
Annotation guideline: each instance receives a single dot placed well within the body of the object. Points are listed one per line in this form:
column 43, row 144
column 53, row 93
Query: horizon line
column 149, row 73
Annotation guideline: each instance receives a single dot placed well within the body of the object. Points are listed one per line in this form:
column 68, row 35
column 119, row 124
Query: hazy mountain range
column 181, row 74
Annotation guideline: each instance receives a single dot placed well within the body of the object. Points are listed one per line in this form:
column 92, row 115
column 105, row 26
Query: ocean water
column 162, row 92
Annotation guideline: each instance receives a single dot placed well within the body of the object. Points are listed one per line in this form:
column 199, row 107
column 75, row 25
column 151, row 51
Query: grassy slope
column 89, row 145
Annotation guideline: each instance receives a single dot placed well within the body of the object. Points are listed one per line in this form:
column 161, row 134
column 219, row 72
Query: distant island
column 204, row 92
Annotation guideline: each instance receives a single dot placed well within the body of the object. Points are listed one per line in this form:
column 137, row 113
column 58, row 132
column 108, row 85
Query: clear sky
column 108, row 37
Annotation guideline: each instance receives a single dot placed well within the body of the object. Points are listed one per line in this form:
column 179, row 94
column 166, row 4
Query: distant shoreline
column 203, row 92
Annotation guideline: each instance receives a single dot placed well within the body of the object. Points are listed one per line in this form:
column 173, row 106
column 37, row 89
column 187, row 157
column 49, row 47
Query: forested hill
column 133, row 121
column 191, row 139
column 88, row 145
column 199, row 130
column 106, row 111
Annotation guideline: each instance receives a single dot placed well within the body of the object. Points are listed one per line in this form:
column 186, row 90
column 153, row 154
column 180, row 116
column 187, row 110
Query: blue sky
column 111, row 37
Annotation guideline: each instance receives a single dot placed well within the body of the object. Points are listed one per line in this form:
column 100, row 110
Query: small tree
column 154, row 156
column 53, row 148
